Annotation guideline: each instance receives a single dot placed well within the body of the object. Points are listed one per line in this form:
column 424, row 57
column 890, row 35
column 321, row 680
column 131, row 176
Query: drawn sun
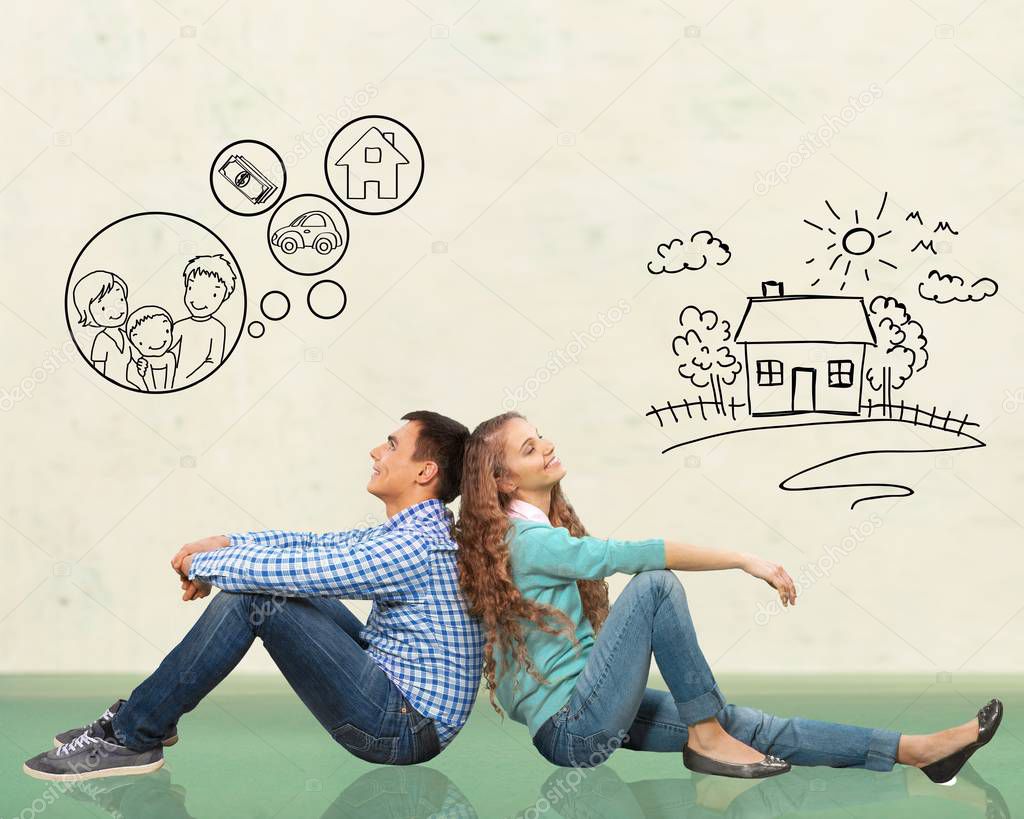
column 854, row 243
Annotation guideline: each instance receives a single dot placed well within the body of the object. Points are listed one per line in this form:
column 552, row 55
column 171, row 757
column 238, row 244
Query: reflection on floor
column 251, row 750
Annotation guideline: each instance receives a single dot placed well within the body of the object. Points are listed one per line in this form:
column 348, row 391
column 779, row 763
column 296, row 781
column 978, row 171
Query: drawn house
column 372, row 163
column 804, row 353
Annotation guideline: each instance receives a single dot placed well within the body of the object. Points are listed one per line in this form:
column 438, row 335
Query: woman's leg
column 797, row 740
column 650, row 616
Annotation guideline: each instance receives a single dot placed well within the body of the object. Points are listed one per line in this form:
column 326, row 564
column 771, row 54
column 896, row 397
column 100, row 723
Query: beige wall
column 563, row 143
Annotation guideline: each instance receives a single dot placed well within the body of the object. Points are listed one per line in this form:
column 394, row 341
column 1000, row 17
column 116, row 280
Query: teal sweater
column 546, row 563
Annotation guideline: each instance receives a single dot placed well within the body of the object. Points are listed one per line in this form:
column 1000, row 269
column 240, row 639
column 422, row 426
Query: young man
column 200, row 338
column 395, row 690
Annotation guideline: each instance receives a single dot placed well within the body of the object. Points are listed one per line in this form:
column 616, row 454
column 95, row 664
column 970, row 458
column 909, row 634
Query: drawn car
column 314, row 229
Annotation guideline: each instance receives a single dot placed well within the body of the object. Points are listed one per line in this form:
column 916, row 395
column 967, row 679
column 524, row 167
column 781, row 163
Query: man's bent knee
column 253, row 606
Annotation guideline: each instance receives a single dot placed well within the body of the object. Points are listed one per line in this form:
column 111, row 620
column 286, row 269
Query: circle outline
column 344, row 247
column 309, row 298
column 419, row 147
column 284, row 178
column 859, row 229
column 238, row 270
column 287, row 301
column 262, row 326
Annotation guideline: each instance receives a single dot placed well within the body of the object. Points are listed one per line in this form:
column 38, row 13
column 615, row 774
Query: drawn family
column 146, row 349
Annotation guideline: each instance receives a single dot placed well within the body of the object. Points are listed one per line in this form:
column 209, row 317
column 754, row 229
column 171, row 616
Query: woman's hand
column 774, row 575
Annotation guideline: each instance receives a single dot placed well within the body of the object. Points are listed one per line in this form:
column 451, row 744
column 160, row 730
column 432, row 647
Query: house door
column 803, row 389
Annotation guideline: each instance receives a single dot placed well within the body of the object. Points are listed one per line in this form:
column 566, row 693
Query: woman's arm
column 689, row 558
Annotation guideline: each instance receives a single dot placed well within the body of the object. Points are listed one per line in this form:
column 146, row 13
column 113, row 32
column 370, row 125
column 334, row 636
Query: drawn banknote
column 250, row 181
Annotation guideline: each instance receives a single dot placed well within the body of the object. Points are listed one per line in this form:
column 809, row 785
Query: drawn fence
column 915, row 414
column 692, row 404
column 908, row 413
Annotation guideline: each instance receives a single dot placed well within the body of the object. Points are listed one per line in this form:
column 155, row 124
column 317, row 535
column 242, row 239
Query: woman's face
column 110, row 309
column 529, row 458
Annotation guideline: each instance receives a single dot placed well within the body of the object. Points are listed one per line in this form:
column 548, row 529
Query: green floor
column 252, row 750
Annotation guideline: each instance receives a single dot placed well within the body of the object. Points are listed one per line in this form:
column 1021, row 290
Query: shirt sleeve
column 388, row 564
column 553, row 552
column 281, row 538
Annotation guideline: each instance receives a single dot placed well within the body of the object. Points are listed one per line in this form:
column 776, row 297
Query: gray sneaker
column 72, row 733
column 90, row 757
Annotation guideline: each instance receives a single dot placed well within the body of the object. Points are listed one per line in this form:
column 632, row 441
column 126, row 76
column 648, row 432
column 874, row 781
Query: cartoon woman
column 101, row 299
column 149, row 332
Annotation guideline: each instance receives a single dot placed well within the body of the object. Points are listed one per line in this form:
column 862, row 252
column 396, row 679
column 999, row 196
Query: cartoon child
column 101, row 299
column 149, row 331
column 209, row 282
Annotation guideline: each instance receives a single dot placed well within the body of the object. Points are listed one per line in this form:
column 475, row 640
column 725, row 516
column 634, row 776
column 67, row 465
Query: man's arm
column 387, row 564
column 284, row 539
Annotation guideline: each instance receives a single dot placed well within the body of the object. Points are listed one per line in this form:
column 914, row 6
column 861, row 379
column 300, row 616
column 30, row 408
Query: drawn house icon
column 804, row 353
column 372, row 163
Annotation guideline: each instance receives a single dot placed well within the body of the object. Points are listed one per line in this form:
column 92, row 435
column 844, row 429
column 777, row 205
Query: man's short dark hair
column 442, row 440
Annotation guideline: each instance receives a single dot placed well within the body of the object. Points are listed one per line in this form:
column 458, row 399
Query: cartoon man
column 199, row 339
column 149, row 331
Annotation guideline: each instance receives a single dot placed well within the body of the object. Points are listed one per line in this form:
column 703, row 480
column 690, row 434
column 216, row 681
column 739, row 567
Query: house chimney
column 771, row 288
column 390, row 137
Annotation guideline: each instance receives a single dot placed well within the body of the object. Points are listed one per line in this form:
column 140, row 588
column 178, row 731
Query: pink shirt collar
column 527, row 511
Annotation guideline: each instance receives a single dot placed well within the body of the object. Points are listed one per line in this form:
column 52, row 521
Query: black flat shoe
column 769, row 766
column 989, row 717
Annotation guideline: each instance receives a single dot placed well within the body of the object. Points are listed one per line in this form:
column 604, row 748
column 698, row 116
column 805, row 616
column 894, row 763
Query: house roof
column 805, row 318
column 374, row 138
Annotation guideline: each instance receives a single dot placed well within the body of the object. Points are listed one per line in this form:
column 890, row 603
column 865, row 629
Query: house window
column 371, row 155
column 840, row 373
column 769, row 372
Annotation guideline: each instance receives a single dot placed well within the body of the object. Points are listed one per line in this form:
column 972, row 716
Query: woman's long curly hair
column 484, row 570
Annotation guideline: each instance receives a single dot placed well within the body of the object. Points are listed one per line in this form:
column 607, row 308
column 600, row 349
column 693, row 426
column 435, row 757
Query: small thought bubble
column 275, row 305
column 326, row 299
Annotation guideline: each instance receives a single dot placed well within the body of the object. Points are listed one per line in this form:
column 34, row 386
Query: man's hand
column 207, row 544
column 774, row 575
column 182, row 562
column 195, row 589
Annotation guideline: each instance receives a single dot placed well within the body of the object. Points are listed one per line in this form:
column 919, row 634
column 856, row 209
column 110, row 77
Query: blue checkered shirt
column 418, row 631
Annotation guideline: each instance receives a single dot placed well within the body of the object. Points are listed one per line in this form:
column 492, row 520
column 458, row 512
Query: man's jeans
column 612, row 707
column 315, row 642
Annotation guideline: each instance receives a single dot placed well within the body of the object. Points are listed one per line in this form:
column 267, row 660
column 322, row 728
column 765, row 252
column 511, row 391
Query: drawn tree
column 901, row 350
column 707, row 358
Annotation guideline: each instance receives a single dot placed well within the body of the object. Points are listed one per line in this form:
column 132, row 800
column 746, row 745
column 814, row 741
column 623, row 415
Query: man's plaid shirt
column 418, row 631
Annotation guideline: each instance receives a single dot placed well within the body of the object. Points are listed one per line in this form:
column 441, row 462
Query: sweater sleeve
column 545, row 551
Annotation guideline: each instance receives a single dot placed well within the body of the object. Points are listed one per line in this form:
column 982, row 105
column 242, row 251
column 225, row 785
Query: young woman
column 575, row 672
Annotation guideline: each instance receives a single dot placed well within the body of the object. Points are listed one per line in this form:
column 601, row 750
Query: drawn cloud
column 947, row 287
column 678, row 255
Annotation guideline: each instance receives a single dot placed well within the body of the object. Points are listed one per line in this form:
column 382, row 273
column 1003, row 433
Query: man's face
column 394, row 471
column 203, row 295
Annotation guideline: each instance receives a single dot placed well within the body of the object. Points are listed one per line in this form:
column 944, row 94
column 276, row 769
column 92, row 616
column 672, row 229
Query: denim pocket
column 426, row 744
column 588, row 751
column 357, row 742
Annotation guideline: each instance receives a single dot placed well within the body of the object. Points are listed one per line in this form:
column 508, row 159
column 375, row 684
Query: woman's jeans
column 612, row 707
column 315, row 642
